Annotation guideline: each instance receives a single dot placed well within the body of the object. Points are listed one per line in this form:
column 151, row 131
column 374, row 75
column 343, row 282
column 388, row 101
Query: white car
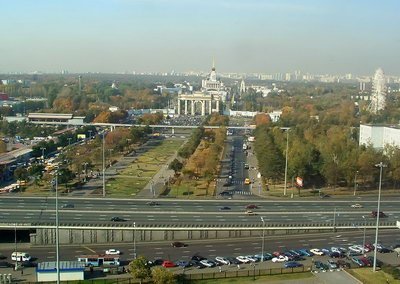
column 242, row 259
column 317, row 251
column 113, row 251
column 280, row 258
column 357, row 205
column 355, row 249
column 207, row 263
column 251, row 258
column 222, row 260
column 335, row 249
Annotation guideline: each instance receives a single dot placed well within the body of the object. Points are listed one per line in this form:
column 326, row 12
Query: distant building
column 378, row 100
column 379, row 136
column 69, row 271
column 67, row 118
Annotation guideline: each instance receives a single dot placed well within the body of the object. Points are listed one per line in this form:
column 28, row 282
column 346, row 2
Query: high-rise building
column 378, row 96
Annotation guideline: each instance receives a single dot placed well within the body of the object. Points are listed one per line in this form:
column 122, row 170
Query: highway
column 207, row 212
column 213, row 248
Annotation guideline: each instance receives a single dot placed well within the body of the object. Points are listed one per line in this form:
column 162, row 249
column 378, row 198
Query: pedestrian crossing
column 242, row 192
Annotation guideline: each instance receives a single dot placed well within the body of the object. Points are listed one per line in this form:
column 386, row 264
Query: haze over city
column 158, row 35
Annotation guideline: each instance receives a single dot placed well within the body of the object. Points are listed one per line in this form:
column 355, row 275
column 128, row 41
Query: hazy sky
column 268, row 36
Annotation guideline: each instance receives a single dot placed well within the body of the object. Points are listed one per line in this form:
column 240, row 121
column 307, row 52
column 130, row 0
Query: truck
column 244, row 146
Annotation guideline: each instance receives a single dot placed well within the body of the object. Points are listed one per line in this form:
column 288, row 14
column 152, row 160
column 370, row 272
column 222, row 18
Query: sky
column 243, row 36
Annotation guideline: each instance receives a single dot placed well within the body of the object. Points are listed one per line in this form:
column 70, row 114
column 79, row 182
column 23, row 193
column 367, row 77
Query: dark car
column 378, row 262
column 27, row 264
column 381, row 214
column 67, row 206
column 366, row 261
column 224, row 208
column 292, row 264
column 233, row 260
column 198, row 257
column 117, row 219
column 226, row 193
column 384, row 250
column 183, row 263
column 321, row 266
column 343, row 264
column 157, row 261
column 196, row 264
column 227, row 184
column 152, row 203
column 5, row 264
column 178, row 244
column 336, row 254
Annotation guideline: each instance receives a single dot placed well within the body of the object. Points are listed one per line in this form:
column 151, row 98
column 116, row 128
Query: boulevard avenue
column 168, row 212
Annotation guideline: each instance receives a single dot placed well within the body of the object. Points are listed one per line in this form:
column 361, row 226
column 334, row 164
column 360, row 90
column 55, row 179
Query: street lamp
column 134, row 240
column 355, row 183
column 286, row 160
column 69, row 141
column 90, row 134
column 43, row 149
column 85, row 165
column 381, row 165
column 104, row 166
column 365, row 227
column 57, row 234
column 263, row 239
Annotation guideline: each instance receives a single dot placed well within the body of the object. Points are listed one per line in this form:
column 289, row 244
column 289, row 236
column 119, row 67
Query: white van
column 20, row 256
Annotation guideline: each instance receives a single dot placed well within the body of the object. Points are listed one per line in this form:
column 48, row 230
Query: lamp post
column 109, row 156
column 85, row 165
column 43, row 149
column 104, row 166
column 286, row 160
column 134, row 240
column 355, row 183
column 90, row 134
column 15, row 238
column 57, row 234
column 381, row 165
column 365, row 227
column 69, row 141
column 263, row 239
column 334, row 220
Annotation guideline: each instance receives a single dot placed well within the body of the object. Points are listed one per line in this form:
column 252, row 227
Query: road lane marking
column 89, row 249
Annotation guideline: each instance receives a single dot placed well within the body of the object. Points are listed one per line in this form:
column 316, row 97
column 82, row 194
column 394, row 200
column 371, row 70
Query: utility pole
column 104, row 165
column 381, row 166
column 57, row 234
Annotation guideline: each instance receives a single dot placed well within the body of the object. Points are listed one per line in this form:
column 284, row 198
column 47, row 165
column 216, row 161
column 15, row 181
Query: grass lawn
column 259, row 279
column 366, row 276
column 135, row 177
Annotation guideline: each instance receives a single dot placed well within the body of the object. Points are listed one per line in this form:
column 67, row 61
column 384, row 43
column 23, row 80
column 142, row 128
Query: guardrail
column 201, row 227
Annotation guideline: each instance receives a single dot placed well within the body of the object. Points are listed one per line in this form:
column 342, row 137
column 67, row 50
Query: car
column 378, row 262
column 252, row 258
column 375, row 214
column 343, row 264
column 5, row 264
column 157, row 261
column 369, row 246
column 183, row 263
column 247, row 181
column 326, row 250
column 67, row 206
column 26, row 264
column 316, row 251
column 250, row 213
column 168, row 263
column 276, row 253
column 384, row 250
column 152, row 203
column 321, row 266
column 196, row 264
column 117, row 219
column 332, row 264
column 306, row 252
column 355, row 248
column 233, row 260
column 208, row 263
column 246, row 166
column 222, row 260
column 295, row 252
column 356, row 205
column 324, row 196
column 357, row 261
column 227, row 184
column 280, row 258
column 178, row 244
column 223, row 208
column 113, row 252
column 242, row 259
column 197, row 257
column 336, row 254
column 251, row 206
column 292, row 264
column 264, row 256
column 335, row 249
column 366, row 261
column 226, row 193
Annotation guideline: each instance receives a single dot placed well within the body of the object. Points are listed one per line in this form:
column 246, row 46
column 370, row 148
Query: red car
column 276, row 253
column 168, row 263
column 369, row 247
column 251, row 206
column 366, row 261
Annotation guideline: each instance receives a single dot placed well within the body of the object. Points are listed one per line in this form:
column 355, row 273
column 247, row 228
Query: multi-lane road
column 15, row 209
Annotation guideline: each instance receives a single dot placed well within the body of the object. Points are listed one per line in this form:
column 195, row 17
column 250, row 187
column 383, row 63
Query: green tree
column 21, row 173
column 160, row 275
column 176, row 165
column 139, row 268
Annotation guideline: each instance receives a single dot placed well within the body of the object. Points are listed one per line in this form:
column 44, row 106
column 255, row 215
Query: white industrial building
column 69, row 271
column 379, row 136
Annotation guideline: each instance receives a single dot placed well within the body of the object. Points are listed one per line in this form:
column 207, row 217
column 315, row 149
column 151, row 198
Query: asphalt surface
column 168, row 212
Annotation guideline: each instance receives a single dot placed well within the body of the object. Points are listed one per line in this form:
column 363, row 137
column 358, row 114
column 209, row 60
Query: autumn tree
column 139, row 268
column 160, row 275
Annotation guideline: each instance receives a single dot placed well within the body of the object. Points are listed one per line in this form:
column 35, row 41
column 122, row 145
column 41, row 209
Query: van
column 20, row 256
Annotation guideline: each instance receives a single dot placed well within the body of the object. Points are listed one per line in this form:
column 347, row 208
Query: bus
column 20, row 256
column 99, row 260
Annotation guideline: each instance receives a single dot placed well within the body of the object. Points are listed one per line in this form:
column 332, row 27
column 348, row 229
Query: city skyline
column 112, row 36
